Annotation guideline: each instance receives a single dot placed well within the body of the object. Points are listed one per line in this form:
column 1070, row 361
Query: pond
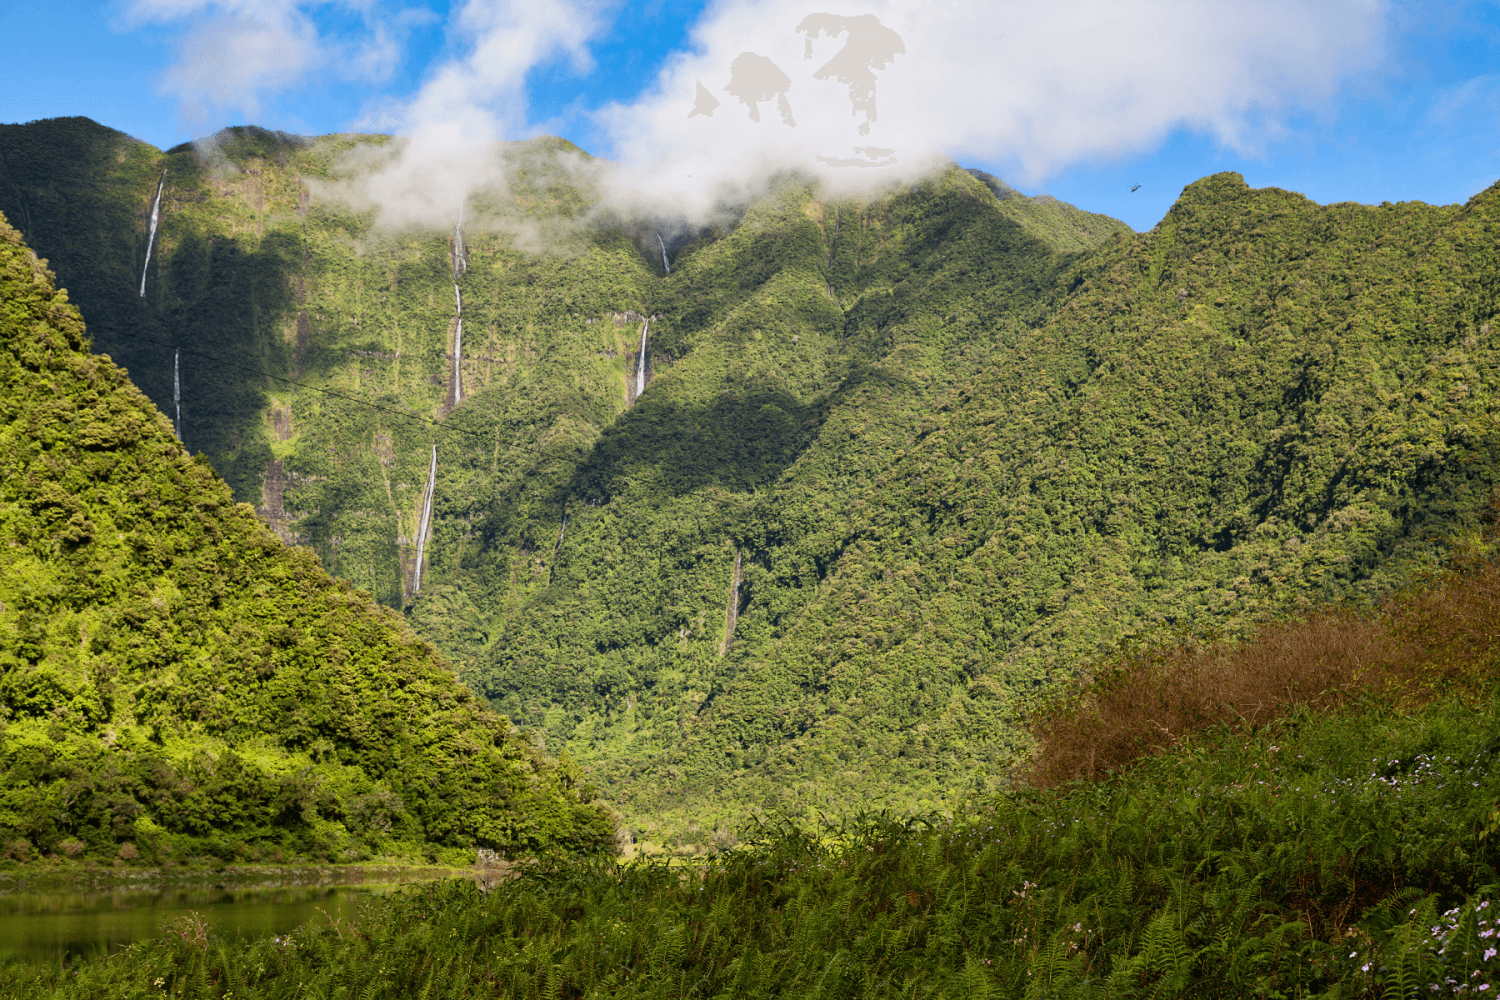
column 48, row 926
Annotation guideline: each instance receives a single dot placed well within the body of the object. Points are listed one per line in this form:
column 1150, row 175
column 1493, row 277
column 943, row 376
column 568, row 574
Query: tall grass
column 1356, row 855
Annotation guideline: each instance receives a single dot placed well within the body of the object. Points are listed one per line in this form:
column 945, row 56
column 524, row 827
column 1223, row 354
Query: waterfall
column 733, row 616
column 664, row 262
column 150, row 240
column 557, row 549
column 458, row 348
column 177, row 392
column 640, row 361
column 460, row 266
column 460, row 252
column 426, row 524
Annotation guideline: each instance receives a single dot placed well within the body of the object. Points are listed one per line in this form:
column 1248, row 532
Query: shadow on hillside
column 741, row 440
column 76, row 190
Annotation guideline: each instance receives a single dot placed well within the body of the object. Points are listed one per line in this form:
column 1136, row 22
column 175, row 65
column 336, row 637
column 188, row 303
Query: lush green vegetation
column 958, row 442
column 1063, row 226
column 176, row 682
column 931, row 502
column 1315, row 854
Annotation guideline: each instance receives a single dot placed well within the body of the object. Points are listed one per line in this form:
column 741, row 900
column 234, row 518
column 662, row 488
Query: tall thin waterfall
column 458, row 349
column 460, row 266
column 150, row 240
column 426, row 524
column 732, row 616
column 460, row 252
column 640, row 361
column 664, row 262
column 177, row 392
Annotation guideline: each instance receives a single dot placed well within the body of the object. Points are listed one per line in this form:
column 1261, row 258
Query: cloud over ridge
column 859, row 95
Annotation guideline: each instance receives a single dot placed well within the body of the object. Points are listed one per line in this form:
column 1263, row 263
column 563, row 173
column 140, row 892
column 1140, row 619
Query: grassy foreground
column 1354, row 856
column 1344, row 853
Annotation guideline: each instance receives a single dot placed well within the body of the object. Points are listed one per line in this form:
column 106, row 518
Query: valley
column 940, row 591
column 809, row 523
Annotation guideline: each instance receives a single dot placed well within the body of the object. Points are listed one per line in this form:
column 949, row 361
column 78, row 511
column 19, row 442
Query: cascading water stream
column 458, row 349
column 732, row 615
column 664, row 262
column 640, row 361
column 460, row 252
column 426, row 522
column 177, row 392
column 151, row 239
column 460, row 266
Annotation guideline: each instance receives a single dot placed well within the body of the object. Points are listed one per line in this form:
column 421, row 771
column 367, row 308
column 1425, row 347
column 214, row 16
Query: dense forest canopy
column 900, row 464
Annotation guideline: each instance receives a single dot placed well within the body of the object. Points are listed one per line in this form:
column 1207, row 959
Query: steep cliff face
column 176, row 679
column 273, row 293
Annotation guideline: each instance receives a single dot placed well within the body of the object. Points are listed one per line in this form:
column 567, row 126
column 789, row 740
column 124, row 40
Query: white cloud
column 234, row 53
column 471, row 102
column 1475, row 98
column 866, row 94
column 1041, row 86
column 231, row 61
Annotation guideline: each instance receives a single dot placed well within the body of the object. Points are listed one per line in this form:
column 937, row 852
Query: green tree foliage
column 176, row 679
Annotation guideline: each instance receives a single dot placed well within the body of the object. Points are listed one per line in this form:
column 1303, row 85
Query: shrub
column 1425, row 643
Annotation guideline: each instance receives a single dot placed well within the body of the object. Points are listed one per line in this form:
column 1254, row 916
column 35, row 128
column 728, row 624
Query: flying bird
column 1135, row 189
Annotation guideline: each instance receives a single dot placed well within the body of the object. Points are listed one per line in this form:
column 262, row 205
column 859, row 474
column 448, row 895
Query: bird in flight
column 1135, row 189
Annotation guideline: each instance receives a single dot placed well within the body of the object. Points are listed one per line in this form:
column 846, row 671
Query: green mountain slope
column 175, row 681
column 1062, row 225
column 770, row 345
column 899, row 463
column 251, row 270
column 1263, row 403
column 808, row 347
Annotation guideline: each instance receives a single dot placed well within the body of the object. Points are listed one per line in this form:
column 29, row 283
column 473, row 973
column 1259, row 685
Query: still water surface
column 52, row 926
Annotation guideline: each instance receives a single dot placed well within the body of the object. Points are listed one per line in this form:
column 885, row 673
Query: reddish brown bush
column 1424, row 643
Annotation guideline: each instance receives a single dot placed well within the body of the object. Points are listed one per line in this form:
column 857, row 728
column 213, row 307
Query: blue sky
column 1412, row 112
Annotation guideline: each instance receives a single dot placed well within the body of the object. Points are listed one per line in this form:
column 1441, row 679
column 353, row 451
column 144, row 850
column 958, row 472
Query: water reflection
column 48, row 927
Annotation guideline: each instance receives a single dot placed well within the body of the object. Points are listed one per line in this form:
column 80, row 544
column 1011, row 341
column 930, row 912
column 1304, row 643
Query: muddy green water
column 65, row 925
